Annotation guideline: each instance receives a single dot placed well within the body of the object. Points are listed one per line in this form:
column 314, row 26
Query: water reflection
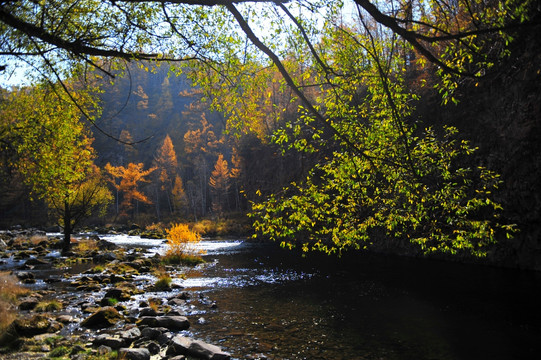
column 275, row 304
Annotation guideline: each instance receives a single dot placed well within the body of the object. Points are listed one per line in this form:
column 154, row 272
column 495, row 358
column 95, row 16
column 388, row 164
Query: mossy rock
column 103, row 318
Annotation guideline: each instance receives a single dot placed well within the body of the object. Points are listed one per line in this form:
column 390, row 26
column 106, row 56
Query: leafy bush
column 182, row 245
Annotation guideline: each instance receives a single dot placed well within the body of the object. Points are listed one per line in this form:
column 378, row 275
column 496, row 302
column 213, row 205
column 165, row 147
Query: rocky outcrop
column 181, row 345
column 177, row 323
column 29, row 326
column 103, row 318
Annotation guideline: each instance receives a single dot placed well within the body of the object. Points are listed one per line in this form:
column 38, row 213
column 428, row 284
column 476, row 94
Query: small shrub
column 182, row 244
column 53, row 340
column 163, row 283
column 85, row 245
column 59, row 351
column 112, row 301
column 183, row 259
column 51, row 305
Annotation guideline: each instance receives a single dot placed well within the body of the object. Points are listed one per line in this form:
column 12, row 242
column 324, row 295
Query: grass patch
column 98, row 269
column 10, row 291
column 46, row 306
column 182, row 259
column 112, row 301
column 59, row 352
column 85, row 245
column 163, row 283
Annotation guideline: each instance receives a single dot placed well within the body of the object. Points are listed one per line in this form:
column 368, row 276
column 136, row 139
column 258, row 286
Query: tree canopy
column 349, row 81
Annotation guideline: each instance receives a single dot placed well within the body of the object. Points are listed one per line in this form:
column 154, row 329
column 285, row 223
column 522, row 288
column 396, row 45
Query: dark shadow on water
column 370, row 307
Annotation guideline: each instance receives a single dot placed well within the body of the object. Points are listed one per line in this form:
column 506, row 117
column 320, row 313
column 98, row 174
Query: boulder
column 25, row 276
column 103, row 318
column 114, row 343
column 131, row 334
column 152, row 333
column 28, row 303
column 148, row 311
column 36, row 261
column 181, row 345
column 106, row 245
column 177, row 323
column 35, row 325
column 121, row 294
column 134, row 354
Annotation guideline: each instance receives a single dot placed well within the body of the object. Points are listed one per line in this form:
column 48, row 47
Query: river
column 274, row 304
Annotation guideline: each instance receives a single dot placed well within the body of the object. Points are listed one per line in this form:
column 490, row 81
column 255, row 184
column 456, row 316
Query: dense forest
column 411, row 128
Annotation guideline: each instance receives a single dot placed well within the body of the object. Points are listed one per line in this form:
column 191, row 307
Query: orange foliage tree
column 166, row 163
column 126, row 181
column 219, row 183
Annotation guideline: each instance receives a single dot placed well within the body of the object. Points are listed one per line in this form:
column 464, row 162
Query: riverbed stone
column 134, row 354
column 148, row 311
column 131, row 333
column 170, row 322
column 103, row 318
column 114, row 343
column 29, row 326
column 28, row 303
column 181, row 345
column 37, row 261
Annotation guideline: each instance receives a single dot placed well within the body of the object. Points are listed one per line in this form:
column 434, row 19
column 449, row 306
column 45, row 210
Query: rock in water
column 181, row 345
column 134, row 354
column 177, row 323
column 103, row 318
column 35, row 325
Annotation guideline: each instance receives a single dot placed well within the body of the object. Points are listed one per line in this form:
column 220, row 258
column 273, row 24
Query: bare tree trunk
column 67, row 229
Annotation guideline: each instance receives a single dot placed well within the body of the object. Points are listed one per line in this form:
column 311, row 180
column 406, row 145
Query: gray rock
column 25, row 275
column 114, row 343
column 102, row 318
column 134, row 354
column 181, row 345
column 170, row 322
column 104, row 350
column 28, row 303
column 152, row 333
column 131, row 334
column 148, row 311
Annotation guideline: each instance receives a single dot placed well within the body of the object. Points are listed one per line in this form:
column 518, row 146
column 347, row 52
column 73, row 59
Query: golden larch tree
column 219, row 183
column 126, row 180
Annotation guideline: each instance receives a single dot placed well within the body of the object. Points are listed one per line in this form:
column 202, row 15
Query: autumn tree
column 167, row 167
column 54, row 154
column 127, row 181
column 201, row 147
column 220, row 184
column 179, row 195
column 361, row 111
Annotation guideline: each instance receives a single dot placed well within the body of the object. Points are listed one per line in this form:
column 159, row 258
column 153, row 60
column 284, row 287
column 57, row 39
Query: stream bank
column 257, row 301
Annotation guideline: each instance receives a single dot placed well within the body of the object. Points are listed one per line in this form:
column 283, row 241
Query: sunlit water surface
column 275, row 304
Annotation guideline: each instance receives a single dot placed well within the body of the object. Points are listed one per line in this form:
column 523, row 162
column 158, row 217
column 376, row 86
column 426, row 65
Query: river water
column 273, row 304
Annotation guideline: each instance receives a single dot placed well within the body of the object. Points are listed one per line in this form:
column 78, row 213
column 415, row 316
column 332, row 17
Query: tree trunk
column 67, row 229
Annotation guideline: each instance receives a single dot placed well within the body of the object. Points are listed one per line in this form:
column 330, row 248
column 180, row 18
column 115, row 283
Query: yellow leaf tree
column 126, row 180
column 219, row 184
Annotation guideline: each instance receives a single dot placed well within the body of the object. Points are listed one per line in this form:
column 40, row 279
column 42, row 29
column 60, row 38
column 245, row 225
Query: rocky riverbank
column 100, row 302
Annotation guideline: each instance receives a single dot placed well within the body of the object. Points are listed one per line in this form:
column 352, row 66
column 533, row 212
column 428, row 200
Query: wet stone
column 181, row 345
column 147, row 311
column 114, row 343
column 134, row 354
column 28, row 303
column 103, row 318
